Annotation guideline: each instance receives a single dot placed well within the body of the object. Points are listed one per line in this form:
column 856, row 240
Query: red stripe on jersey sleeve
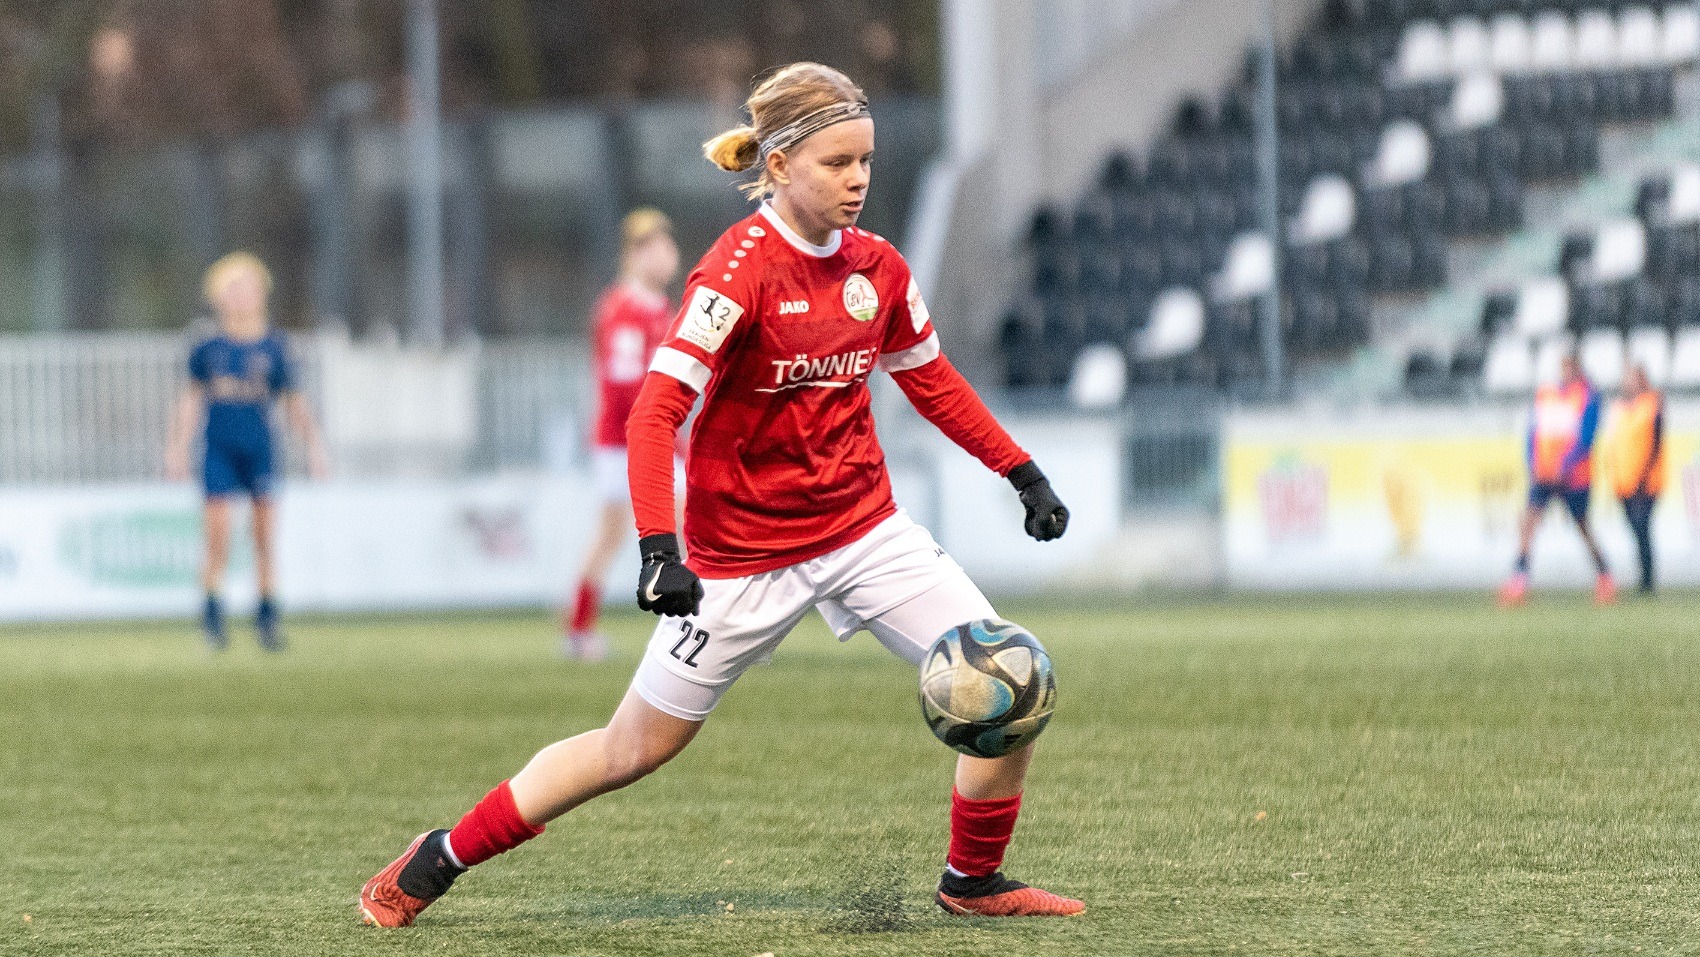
column 944, row 398
column 651, row 432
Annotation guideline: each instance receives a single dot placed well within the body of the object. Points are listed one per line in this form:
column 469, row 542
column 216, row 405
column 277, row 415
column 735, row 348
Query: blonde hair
column 639, row 225
column 219, row 274
column 787, row 96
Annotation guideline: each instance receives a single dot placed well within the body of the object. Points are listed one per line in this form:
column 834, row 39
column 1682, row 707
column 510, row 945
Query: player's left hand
column 1047, row 516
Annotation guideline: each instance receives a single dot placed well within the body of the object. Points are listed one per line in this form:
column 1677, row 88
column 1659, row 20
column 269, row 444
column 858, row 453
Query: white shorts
column 895, row 581
column 608, row 472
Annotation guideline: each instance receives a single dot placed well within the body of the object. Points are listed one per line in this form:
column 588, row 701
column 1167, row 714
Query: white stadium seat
column 1477, row 101
column 1509, row 367
column 1639, row 44
column 1099, row 379
column 1422, row 52
column 1685, row 360
column 1602, row 357
column 1649, row 347
column 1248, row 270
column 1402, row 156
column 1620, row 250
column 1596, row 40
column 1683, row 204
column 1467, row 45
column 1552, row 43
column 1681, row 30
column 1328, row 211
column 1508, row 43
column 1176, row 326
column 1549, row 357
column 1543, row 307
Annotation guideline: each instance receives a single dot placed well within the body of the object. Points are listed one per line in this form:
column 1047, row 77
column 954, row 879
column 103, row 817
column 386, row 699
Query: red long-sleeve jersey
column 779, row 336
column 626, row 330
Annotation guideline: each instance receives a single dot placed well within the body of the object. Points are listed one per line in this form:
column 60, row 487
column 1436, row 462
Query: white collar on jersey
column 802, row 245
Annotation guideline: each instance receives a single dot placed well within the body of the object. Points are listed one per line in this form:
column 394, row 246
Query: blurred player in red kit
column 630, row 320
column 789, row 505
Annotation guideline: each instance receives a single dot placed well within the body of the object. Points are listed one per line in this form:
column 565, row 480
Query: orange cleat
column 1605, row 590
column 1515, row 591
column 1003, row 897
column 382, row 901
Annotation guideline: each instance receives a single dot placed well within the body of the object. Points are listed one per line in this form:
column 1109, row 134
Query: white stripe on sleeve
column 913, row 357
column 681, row 366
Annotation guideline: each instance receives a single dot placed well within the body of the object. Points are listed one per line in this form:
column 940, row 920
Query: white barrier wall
column 134, row 550
column 1415, row 498
column 516, row 540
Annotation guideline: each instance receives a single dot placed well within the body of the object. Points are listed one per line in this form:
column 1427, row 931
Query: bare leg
column 638, row 739
column 216, row 526
column 988, row 779
column 1526, row 534
column 1593, row 546
column 611, row 525
column 265, row 520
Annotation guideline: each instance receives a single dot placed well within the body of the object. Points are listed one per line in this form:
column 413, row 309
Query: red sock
column 491, row 827
column 980, row 832
column 585, row 606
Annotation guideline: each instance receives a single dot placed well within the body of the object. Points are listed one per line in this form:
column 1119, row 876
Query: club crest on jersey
column 709, row 319
column 860, row 299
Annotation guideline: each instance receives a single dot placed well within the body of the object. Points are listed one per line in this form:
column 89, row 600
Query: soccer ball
column 987, row 687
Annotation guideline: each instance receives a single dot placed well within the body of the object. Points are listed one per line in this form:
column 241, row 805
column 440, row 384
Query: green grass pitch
column 1371, row 775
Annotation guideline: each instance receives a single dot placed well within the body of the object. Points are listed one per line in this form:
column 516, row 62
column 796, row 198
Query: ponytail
column 735, row 150
column 789, row 95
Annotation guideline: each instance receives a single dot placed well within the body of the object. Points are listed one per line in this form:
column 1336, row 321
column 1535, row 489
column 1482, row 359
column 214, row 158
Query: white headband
column 804, row 127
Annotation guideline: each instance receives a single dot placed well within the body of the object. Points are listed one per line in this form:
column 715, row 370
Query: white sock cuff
column 449, row 852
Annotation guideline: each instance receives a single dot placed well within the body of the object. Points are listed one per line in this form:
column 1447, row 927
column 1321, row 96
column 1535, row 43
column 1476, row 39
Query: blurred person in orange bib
column 1634, row 454
column 1560, row 458
column 630, row 321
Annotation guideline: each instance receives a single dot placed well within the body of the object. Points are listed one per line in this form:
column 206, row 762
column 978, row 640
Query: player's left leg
column 986, row 798
column 1605, row 589
column 580, row 638
column 215, row 526
column 1639, row 510
column 266, row 623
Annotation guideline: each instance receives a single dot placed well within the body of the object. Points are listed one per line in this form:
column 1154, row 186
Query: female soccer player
column 788, row 505
column 631, row 319
column 235, row 376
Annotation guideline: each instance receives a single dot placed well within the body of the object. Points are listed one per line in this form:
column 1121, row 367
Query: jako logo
column 793, row 306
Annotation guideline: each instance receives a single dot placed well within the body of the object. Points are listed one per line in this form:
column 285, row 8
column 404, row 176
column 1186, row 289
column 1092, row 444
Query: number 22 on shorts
column 689, row 633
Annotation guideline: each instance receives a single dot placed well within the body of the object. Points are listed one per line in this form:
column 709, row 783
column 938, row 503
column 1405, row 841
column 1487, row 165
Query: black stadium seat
column 1498, row 311
column 1167, row 215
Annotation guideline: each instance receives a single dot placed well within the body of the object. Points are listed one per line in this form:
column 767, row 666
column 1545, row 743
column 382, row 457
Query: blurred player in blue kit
column 235, row 377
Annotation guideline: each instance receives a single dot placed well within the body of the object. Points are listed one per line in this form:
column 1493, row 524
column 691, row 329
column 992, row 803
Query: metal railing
column 87, row 408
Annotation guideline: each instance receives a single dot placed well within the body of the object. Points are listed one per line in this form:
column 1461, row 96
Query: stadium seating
column 1403, row 126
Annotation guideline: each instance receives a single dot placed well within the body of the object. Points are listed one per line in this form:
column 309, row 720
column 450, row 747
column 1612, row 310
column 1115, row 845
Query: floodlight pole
column 1268, row 187
column 424, row 139
column 49, row 167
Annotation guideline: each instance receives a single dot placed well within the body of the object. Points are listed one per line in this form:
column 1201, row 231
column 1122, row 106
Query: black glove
column 1047, row 517
column 666, row 586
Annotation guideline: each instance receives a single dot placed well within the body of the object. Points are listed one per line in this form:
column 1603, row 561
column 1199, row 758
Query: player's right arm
column 707, row 328
column 187, row 416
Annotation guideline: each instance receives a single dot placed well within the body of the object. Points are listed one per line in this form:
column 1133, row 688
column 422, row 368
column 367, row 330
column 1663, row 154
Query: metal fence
column 78, row 409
